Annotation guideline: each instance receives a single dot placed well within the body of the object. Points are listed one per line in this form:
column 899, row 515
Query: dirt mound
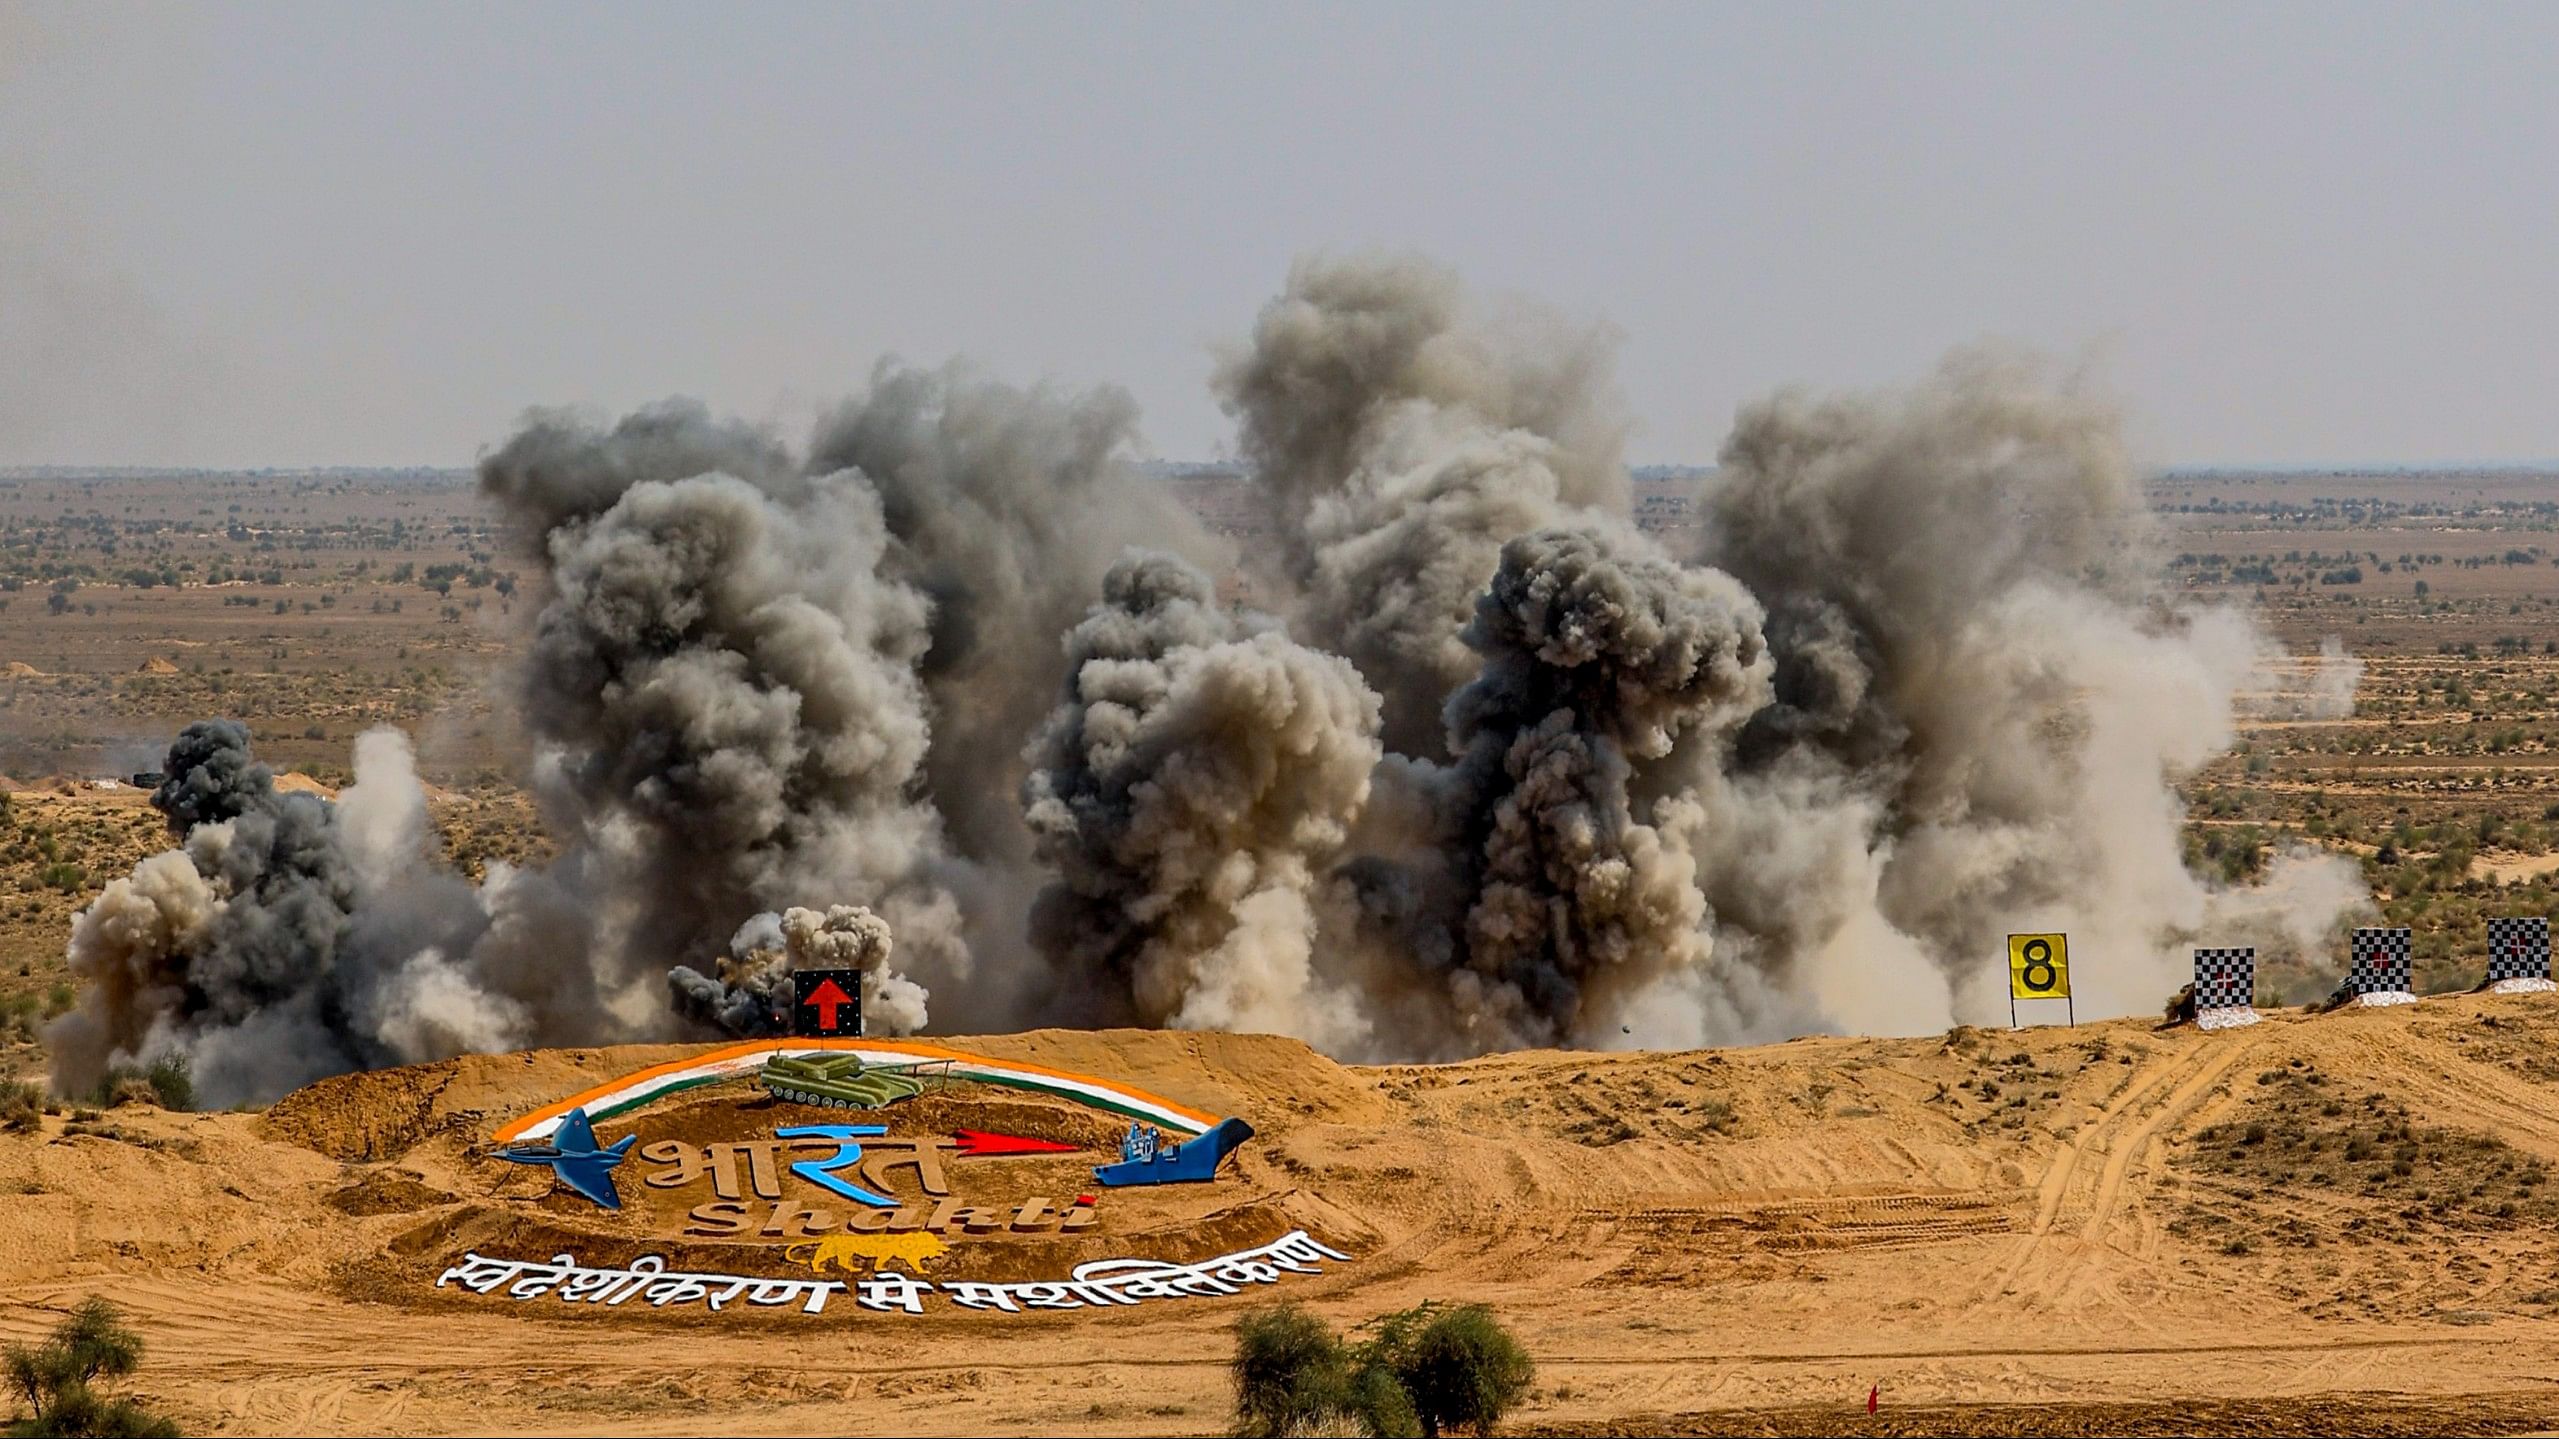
column 296, row 782
column 381, row 1115
column 388, row 1191
column 2100, row 1229
column 20, row 669
column 1256, row 1074
column 155, row 666
column 362, row 1116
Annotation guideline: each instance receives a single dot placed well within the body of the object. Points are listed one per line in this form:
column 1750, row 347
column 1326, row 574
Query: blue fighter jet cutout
column 573, row 1156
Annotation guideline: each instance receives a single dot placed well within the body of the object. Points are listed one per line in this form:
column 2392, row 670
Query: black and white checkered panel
column 2518, row 948
column 2225, row 978
column 2382, row 962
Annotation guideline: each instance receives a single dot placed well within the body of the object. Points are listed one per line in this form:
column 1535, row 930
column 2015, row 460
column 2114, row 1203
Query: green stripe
column 642, row 1101
column 1089, row 1101
column 1004, row 1081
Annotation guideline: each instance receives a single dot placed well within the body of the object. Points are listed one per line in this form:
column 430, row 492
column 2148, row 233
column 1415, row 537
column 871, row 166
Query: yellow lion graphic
column 856, row 1253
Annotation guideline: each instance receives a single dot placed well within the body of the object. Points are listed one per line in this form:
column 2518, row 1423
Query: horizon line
column 70, row 470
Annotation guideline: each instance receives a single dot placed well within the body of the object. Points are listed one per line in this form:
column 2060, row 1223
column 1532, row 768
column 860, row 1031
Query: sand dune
column 2068, row 1223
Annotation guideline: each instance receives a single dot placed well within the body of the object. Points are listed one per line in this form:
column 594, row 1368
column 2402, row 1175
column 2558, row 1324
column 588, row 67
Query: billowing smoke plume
column 1201, row 776
column 721, row 690
column 757, row 687
column 1983, row 700
column 227, row 946
column 1595, row 663
column 1003, row 509
column 1497, row 769
column 288, row 938
column 1398, row 441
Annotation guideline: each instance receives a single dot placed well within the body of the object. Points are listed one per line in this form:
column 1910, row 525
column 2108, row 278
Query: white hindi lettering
column 1099, row 1284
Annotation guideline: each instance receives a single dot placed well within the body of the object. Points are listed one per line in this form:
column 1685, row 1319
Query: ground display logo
column 857, row 1162
column 859, row 1199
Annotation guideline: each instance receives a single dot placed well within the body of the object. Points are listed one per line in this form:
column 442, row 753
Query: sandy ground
column 2506, row 867
column 1733, row 1241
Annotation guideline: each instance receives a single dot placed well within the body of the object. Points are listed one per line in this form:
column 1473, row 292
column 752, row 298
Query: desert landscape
column 1264, row 721
column 2331, row 1220
column 2324, row 1222
column 2436, row 770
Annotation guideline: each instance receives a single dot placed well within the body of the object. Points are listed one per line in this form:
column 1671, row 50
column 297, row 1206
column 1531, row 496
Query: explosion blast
column 1496, row 768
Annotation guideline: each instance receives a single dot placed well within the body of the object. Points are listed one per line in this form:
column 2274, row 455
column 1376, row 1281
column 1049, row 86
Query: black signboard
column 826, row 1003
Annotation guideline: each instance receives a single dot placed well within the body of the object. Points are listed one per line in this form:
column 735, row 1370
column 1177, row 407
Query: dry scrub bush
column 58, row 1378
column 21, row 1107
column 1422, row 1371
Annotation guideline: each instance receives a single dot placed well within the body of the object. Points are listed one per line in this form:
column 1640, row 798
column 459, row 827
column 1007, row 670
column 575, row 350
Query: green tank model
column 836, row 1081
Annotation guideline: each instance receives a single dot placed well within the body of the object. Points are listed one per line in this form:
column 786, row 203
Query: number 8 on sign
column 2038, row 968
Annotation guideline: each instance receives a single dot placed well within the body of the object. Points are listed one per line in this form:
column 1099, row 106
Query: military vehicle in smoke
column 837, row 1081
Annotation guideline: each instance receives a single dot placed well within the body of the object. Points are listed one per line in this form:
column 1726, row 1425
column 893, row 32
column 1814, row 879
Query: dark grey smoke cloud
column 1003, row 508
column 1595, row 663
column 227, row 946
column 742, row 669
column 1529, row 893
column 1398, row 437
column 287, row 938
column 1983, row 700
column 1202, row 774
column 721, row 693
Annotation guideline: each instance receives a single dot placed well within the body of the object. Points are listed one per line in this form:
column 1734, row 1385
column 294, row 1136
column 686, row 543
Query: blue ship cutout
column 573, row 1156
column 1144, row 1159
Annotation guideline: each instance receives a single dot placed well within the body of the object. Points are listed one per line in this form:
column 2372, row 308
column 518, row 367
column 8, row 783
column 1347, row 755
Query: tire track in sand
column 2079, row 1208
column 2199, row 1081
column 2054, row 1188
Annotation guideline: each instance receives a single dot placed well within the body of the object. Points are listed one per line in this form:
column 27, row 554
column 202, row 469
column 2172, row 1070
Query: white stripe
column 645, row 1090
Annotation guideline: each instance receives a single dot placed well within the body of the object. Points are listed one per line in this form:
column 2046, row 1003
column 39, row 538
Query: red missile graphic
column 978, row 1141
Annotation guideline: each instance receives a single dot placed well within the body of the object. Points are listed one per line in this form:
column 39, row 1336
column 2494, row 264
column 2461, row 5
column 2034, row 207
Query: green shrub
column 1290, row 1373
column 1459, row 1367
column 121, row 1086
column 58, row 1378
column 1422, row 1371
column 171, row 1081
column 168, row 1083
column 21, row 1107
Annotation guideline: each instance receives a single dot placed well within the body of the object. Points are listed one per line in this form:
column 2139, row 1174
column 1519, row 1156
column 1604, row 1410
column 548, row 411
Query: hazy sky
column 288, row 234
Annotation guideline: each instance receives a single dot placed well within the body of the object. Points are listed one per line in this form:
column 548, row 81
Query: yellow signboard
column 2038, row 966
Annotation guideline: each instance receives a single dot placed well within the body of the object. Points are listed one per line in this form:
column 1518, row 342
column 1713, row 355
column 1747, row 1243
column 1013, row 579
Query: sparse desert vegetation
column 1742, row 1189
column 314, row 605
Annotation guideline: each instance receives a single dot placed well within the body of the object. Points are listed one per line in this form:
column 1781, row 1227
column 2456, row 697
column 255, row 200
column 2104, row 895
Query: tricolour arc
column 645, row 1086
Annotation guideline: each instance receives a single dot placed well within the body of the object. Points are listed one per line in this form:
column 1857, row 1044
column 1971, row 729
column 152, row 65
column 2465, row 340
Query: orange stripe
column 899, row 1046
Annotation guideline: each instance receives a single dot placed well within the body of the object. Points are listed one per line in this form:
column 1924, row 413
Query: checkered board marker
column 2518, row 949
column 2381, row 962
column 2225, row 978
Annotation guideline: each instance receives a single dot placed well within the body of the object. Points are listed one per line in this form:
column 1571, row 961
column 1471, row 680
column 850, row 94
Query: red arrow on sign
column 826, row 999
